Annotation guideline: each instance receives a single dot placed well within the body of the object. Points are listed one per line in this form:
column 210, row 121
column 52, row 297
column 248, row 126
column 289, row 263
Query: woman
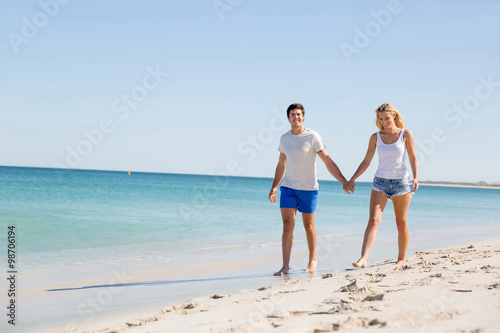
column 391, row 179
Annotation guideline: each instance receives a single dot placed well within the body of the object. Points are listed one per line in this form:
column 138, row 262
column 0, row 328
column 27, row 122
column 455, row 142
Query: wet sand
column 454, row 289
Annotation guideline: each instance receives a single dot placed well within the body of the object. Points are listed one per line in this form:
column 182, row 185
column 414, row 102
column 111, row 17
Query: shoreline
column 435, row 290
column 127, row 290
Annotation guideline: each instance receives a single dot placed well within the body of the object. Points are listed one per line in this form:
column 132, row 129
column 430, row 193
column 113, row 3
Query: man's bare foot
column 360, row 263
column 400, row 262
column 312, row 266
column 282, row 271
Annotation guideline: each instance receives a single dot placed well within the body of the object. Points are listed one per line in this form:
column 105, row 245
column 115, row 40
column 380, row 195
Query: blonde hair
column 387, row 107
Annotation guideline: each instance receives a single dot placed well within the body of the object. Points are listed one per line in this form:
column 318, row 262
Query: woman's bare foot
column 361, row 263
column 400, row 262
column 282, row 271
column 312, row 266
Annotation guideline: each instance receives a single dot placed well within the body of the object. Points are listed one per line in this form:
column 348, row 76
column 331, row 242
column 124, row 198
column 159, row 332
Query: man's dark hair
column 293, row 107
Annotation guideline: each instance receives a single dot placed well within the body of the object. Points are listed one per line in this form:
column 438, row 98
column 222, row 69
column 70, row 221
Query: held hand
column 272, row 195
column 352, row 185
column 349, row 187
column 415, row 185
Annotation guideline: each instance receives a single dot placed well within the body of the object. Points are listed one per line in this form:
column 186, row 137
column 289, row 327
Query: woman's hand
column 415, row 185
column 349, row 186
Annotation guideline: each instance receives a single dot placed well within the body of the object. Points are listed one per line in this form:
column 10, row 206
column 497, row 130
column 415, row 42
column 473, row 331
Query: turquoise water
column 173, row 214
column 76, row 225
column 83, row 216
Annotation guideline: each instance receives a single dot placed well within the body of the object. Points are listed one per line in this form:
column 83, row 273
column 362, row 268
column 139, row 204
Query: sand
column 455, row 289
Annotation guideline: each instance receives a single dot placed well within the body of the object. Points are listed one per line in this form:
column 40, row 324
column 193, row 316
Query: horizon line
column 421, row 182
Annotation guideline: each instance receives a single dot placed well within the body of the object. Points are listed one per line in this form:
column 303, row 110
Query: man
column 299, row 190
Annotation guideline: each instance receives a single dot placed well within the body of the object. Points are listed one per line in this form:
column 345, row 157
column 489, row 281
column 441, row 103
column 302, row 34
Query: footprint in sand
column 280, row 314
column 353, row 286
column 177, row 307
column 402, row 268
column 351, row 323
column 371, row 298
column 488, row 267
column 339, row 306
column 291, row 291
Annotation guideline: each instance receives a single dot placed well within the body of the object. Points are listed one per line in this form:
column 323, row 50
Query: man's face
column 296, row 118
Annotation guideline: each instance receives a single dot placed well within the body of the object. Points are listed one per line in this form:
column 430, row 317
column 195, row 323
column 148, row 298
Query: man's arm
column 278, row 176
column 332, row 167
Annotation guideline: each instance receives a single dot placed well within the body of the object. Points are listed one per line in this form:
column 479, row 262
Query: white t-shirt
column 300, row 151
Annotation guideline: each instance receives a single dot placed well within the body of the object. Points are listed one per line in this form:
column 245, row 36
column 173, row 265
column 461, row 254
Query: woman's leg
column 401, row 204
column 378, row 200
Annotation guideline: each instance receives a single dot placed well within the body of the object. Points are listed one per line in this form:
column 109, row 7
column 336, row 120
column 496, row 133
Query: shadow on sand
column 165, row 282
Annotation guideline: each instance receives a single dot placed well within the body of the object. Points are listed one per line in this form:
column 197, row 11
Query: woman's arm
column 372, row 147
column 412, row 156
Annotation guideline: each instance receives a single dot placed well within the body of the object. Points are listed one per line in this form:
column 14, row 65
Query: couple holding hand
column 299, row 189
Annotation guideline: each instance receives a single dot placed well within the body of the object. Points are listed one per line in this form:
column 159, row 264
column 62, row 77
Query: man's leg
column 288, row 215
column 308, row 219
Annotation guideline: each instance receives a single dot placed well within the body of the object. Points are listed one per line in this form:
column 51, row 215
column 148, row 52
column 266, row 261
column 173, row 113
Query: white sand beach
column 455, row 289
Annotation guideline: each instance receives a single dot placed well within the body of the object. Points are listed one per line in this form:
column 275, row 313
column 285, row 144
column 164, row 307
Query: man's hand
column 272, row 195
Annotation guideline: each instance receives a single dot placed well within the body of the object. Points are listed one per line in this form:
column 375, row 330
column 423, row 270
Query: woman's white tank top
column 391, row 158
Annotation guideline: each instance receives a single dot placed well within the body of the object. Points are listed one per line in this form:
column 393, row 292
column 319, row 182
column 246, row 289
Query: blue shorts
column 304, row 201
column 391, row 187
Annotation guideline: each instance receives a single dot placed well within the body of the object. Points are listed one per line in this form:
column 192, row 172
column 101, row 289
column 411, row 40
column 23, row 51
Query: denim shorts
column 304, row 201
column 391, row 187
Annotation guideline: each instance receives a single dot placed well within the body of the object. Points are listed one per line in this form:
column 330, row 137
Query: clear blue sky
column 202, row 86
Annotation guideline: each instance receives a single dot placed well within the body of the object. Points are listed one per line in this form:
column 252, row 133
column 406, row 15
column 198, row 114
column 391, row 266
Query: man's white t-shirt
column 300, row 151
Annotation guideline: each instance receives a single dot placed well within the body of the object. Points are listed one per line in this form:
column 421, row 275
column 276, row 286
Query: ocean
column 79, row 225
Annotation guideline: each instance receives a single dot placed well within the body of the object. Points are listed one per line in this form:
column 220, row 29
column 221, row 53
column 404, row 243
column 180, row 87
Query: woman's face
column 386, row 119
